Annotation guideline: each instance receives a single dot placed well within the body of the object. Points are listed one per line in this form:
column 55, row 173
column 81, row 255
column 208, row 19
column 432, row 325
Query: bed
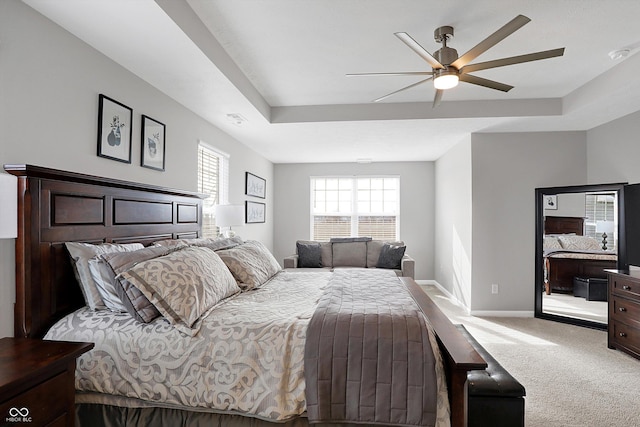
column 56, row 207
column 568, row 254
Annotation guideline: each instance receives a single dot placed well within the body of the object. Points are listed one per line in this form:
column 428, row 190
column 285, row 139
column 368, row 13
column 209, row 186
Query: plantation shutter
column 212, row 172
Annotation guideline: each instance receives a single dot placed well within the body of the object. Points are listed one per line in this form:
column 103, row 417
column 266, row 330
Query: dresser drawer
column 625, row 311
column 626, row 286
column 626, row 336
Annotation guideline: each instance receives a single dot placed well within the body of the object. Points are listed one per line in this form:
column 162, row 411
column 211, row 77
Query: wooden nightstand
column 37, row 381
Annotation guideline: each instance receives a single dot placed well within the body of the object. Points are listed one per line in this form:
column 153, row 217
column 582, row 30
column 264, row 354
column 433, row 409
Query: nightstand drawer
column 42, row 404
column 626, row 311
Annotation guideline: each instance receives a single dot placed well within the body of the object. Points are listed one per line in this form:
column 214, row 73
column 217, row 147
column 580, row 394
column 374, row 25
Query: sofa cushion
column 309, row 255
column 373, row 251
column 391, row 256
column 350, row 254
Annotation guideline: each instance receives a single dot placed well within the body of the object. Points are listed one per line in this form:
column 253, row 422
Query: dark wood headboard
column 56, row 206
column 563, row 225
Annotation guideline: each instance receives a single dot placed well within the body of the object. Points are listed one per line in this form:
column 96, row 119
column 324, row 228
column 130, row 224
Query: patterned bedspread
column 247, row 357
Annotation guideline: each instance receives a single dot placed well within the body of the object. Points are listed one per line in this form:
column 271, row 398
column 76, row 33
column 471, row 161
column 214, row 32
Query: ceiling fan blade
column 437, row 98
column 485, row 82
column 403, row 89
column 508, row 29
column 512, row 60
column 415, row 46
column 399, row 73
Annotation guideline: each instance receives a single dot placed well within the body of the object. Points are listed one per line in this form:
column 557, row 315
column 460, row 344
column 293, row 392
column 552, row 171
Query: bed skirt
column 98, row 415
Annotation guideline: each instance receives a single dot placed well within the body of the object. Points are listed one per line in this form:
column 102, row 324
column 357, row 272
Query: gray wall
column 613, row 151
column 293, row 211
column 507, row 168
column 453, row 222
column 48, row 116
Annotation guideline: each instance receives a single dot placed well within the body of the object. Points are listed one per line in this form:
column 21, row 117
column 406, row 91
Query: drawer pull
column 622, row 309
column 626, row 287
column 623, row 334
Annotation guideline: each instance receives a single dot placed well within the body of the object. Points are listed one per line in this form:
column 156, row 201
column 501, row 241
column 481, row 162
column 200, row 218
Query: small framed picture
column 114, row 129
column 254, row 212
column 153, row 144
column 255, row 186
column 550, row 202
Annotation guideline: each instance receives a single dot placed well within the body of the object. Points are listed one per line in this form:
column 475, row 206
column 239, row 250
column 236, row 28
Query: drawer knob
column 623, row 334
column 626, row 287
column 622, row 309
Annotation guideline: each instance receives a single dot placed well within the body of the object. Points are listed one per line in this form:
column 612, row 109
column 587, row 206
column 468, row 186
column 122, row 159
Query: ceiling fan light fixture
column 446, row 81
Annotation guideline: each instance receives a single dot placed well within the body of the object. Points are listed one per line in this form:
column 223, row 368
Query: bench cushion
column 495, row 397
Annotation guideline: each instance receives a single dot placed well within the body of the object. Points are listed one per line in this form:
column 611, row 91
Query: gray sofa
column 351, row 253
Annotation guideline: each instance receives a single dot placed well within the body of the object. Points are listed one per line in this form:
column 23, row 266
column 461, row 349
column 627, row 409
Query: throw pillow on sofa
column 309, row 255
column 391, row 256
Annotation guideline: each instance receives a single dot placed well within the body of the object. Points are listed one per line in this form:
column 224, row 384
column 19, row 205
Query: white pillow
column 81, row 253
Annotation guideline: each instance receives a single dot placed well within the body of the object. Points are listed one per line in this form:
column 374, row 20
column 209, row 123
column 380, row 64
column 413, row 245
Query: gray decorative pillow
column 309, row 255
column 184, row 285
column 250, row 263
column 133, row 301
column 391, row 256
column 80, row 254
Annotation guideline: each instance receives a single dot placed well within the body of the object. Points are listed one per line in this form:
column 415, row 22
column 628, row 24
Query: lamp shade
column 229, row 215
column 605, row 227
column 8, row 206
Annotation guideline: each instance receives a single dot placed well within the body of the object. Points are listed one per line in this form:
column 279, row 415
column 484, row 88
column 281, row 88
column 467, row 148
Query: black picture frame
column 153, row 144
column 255, row 186
column 115, row 126
column 255, row 212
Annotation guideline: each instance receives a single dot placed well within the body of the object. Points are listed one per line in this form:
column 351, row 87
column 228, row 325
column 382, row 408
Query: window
column 355, row 206
column 213, row 179
column 601, row 216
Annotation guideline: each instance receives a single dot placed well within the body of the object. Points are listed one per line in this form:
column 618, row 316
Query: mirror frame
column 539, row 273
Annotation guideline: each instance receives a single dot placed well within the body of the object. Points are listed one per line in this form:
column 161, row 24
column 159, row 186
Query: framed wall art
column 115, row 123
column 153, row 144
column 255, row 186
column 254, row 212
column 551, row 202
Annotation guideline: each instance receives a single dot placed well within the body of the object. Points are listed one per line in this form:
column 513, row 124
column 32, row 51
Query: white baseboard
column 501, row 313
column 476, row 313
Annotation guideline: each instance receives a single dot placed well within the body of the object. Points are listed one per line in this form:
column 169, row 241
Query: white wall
column 506, row 169
column 48, row 115
column 292, row 213
column 453, row 222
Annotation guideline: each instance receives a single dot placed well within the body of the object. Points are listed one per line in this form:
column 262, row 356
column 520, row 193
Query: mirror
column 578, row 237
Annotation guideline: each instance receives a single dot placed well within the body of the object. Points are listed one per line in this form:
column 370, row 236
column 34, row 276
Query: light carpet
column 572, row 379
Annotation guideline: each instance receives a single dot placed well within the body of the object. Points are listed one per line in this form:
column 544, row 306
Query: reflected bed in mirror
column 577, row 238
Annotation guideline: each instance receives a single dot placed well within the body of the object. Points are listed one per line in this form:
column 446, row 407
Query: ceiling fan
column 448, row 68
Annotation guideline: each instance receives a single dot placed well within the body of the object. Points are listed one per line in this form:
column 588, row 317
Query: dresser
column 624, row 311
column 37, row 381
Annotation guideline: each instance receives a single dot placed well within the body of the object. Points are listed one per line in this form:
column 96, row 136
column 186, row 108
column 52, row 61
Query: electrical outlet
column 494, row 288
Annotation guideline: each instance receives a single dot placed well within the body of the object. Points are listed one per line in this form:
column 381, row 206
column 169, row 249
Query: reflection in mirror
column 577, row 240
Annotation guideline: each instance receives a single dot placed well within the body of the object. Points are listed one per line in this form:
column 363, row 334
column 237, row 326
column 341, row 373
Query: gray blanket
column 368, row 356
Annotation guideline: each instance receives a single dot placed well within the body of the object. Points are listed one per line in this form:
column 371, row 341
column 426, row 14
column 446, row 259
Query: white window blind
column 600, row 207
column 355, row 206
column 213, row 173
